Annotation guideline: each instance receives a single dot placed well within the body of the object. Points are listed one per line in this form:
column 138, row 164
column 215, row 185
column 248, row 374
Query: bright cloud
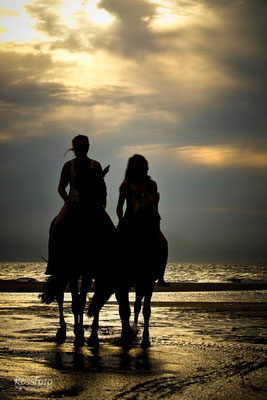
column 222, row 156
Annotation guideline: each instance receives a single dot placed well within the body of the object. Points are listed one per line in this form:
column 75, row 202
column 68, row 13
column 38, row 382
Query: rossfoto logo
column 36, row 382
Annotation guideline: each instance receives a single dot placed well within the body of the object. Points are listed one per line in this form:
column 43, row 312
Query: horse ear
column 105, row 171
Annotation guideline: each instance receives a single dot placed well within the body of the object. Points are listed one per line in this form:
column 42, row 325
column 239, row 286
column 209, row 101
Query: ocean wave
column 26, row 280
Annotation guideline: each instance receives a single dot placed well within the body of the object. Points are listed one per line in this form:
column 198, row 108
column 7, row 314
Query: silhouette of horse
column 141, row 254
column 78, row 256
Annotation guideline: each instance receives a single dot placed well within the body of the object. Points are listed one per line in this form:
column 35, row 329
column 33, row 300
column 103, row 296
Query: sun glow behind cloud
column 72, row 9
column 171, row 15
column 18, row 26
column 98, row 16
column 166, row 17
column 222, row 156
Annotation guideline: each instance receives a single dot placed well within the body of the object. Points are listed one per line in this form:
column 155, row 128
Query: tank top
column 136, row 199
column 73, row 191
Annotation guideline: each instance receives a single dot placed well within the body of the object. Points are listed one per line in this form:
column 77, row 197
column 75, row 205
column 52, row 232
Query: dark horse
column 140, row 256
column 77, row 254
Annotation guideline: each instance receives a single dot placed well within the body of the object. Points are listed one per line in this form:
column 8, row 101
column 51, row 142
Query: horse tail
column 51, row 288
column 100, row 297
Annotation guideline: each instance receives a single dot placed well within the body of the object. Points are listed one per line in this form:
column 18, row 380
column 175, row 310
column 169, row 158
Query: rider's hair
column 75, row 140
column 136, row 158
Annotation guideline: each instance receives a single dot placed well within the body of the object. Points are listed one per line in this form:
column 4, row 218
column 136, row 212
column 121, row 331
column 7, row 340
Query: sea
column 175, row 272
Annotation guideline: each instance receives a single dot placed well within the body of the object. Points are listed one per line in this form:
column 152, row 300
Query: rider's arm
column 63, row 182
column 153, row 188
column 120, row 204
column 102, row 184
column 154, row 192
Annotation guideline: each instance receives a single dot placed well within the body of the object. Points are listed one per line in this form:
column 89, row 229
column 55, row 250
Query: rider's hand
column 68, row 202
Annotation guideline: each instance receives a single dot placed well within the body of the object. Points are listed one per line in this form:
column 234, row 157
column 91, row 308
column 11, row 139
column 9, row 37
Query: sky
column 182, row 82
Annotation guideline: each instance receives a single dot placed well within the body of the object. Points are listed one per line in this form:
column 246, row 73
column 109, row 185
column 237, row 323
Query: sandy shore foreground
column 200, row 350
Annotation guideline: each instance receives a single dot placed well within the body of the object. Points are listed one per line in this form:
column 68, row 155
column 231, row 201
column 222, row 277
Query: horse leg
column 78, row 328
column 61, row 332
column 147, row 313
column 93, row 340
column 122, row 297
column 137, row 307
column 85, row 287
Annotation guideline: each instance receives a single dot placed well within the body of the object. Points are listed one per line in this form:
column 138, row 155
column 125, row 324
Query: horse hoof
column 61, row 335
column 145, row 343
column 93, row 341
column 127, row 337
column 78, row 342
column 135, row 330
column 79, row 336
column 125, row 343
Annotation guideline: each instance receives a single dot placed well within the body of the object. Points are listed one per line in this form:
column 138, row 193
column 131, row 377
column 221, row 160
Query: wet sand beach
column 205, row 345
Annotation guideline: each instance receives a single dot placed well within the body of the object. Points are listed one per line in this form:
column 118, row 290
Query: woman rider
column 137, row 182
column 87, row 195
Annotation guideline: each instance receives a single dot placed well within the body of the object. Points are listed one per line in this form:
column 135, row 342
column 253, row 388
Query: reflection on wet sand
column 99, row 360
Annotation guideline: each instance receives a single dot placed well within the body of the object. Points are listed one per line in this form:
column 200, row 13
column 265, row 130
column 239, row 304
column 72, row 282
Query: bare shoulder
column 95, row 164
column 65, row 174
column 66, row 167
column 153, row 184
column 123, row 188
column 67, row 164
column 123, row 184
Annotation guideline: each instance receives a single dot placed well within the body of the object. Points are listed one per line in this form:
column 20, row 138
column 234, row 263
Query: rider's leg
column 59, row 218
column 54, row 239
column 163, row 257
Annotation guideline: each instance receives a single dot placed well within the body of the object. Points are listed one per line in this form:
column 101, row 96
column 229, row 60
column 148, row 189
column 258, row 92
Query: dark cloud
column 16, row 65
column 32, row 94
column 131, row 34
column 25, row 95
column 47, row 20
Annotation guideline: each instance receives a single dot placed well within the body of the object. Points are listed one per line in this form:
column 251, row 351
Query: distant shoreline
column 35, row 287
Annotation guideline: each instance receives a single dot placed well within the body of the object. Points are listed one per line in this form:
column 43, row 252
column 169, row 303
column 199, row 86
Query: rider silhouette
column 86, row 197
column 138, row 189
